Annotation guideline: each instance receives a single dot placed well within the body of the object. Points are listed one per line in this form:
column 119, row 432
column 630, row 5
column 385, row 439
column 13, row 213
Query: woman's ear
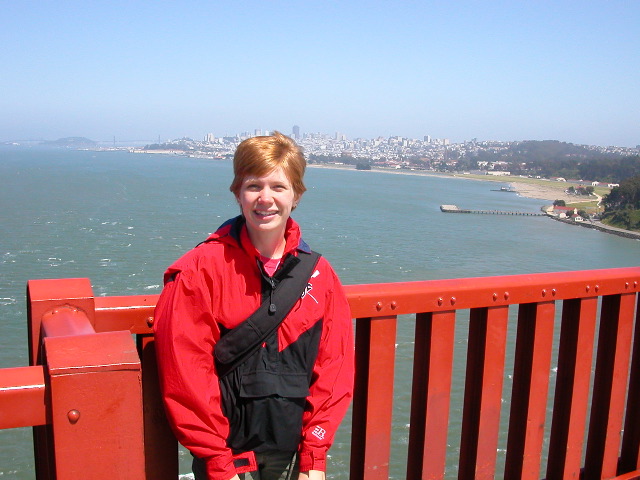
column 296, row 201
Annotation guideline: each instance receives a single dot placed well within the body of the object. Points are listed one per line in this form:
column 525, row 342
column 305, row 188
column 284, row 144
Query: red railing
column 92, row 395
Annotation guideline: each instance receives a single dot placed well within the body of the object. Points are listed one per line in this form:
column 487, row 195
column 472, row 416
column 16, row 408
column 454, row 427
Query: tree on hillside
column 627, row 195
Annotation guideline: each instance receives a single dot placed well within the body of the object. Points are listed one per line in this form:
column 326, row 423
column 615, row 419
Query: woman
column 274, row 415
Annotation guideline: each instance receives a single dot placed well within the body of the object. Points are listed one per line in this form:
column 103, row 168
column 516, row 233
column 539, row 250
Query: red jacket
column 216, row 286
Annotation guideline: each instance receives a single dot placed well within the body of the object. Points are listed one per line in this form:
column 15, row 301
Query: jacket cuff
column 220, row 467
column 225, row 467
column 313, row 459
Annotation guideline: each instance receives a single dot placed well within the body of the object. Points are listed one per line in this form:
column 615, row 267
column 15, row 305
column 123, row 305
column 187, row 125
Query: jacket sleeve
column 185, row 333
column 332, row 380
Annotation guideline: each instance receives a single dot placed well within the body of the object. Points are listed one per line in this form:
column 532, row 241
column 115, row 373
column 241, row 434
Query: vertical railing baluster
column 575, row 357
column 160, row 445
column 431, row 393
column 373, row 400
column 483, row 392
column 609, row 387
column 534, row 343
column 630, row 456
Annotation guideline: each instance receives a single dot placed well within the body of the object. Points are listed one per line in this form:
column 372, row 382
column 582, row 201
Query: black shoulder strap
column 240, row 342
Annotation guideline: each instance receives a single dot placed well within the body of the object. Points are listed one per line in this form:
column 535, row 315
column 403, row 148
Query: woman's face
column 267, row 202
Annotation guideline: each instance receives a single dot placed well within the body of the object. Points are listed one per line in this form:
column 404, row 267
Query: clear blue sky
column 494, row 70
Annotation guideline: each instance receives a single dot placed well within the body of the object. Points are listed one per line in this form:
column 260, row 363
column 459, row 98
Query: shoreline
column 528, row 189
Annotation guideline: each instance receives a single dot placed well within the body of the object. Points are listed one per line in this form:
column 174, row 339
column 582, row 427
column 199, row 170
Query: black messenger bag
column 239, row 343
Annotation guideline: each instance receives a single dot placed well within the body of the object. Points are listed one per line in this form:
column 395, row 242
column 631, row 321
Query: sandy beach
column 543, row 192
column 525, row 187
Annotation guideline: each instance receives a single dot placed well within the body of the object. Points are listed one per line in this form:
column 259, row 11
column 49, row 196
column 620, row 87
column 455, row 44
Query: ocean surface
column 120, row 218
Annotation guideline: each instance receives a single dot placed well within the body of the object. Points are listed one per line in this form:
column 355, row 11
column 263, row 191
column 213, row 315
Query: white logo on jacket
column 319, row 432
column 309, row 287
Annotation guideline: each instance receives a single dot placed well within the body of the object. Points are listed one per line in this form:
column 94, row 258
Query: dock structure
column 456, row 209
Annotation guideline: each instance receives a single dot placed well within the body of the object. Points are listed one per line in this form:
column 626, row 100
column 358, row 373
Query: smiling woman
column 268, row 185
column 273, row 414
column 266, row 204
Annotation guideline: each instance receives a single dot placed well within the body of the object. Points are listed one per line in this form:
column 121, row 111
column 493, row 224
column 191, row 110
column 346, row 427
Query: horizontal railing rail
column 568, row 343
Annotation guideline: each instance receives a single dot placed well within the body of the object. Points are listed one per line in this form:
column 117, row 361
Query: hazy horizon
column 139, row 71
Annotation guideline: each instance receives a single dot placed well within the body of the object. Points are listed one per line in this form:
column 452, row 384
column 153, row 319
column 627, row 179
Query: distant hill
column 71, row 142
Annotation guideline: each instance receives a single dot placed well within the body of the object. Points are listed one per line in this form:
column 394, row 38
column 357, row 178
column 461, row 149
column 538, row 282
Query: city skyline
column 496, row 72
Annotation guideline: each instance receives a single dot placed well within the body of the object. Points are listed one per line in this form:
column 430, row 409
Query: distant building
column 295, row 132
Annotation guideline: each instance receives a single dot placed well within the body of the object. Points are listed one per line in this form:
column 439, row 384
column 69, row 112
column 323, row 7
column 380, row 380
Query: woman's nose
column 265, row 195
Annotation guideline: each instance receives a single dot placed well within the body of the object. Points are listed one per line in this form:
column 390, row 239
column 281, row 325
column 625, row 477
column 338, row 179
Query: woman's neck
column 270, row 246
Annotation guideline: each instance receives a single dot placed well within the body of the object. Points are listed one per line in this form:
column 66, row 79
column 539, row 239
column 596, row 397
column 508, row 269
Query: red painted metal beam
column 635, row 475
column 96, row 407
column 160, row 445
column 441, row 295
column 133, row 313
column 530, row 386
column 46, row 295
column 65, row 321
column 483, row 392
column 373, row 398
column 609, row 389
column 572, row 388
column 22, row 397
column 431, row 394
column 630, row 452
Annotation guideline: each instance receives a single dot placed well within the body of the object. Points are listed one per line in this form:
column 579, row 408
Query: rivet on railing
column 544, row 292
column 597, row 288
column 635, row 284
column 379, row 306
column 150, row 321
column 453, row 300
column 553, row 292
column 506, row 295
column 495, row 297
column 394, row 305
column 73, row 416
column 440, row 301
column 588, row 288
column 626, row 285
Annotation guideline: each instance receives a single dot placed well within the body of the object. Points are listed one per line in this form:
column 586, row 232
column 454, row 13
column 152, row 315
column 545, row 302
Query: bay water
column 120, row 218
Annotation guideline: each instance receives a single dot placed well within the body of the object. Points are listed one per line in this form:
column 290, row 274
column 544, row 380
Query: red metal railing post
column 630, row 452
column 96, row 406
column 483, row 392
column 431, row 394
column 44, row 296
column 530, row 387
column 609, row 387
column 161, row 446
column 373, row 398
column 572, row 388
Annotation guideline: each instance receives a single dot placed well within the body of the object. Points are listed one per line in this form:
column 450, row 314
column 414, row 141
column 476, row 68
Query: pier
column 456, row 209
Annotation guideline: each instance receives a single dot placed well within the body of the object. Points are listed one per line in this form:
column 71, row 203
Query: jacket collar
column 234, row 232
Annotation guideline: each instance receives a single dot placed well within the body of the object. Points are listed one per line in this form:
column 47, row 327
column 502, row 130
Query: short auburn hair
column 259, row 156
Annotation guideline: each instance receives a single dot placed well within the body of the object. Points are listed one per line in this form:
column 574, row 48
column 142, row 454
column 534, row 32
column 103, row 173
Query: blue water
column 120, row 218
